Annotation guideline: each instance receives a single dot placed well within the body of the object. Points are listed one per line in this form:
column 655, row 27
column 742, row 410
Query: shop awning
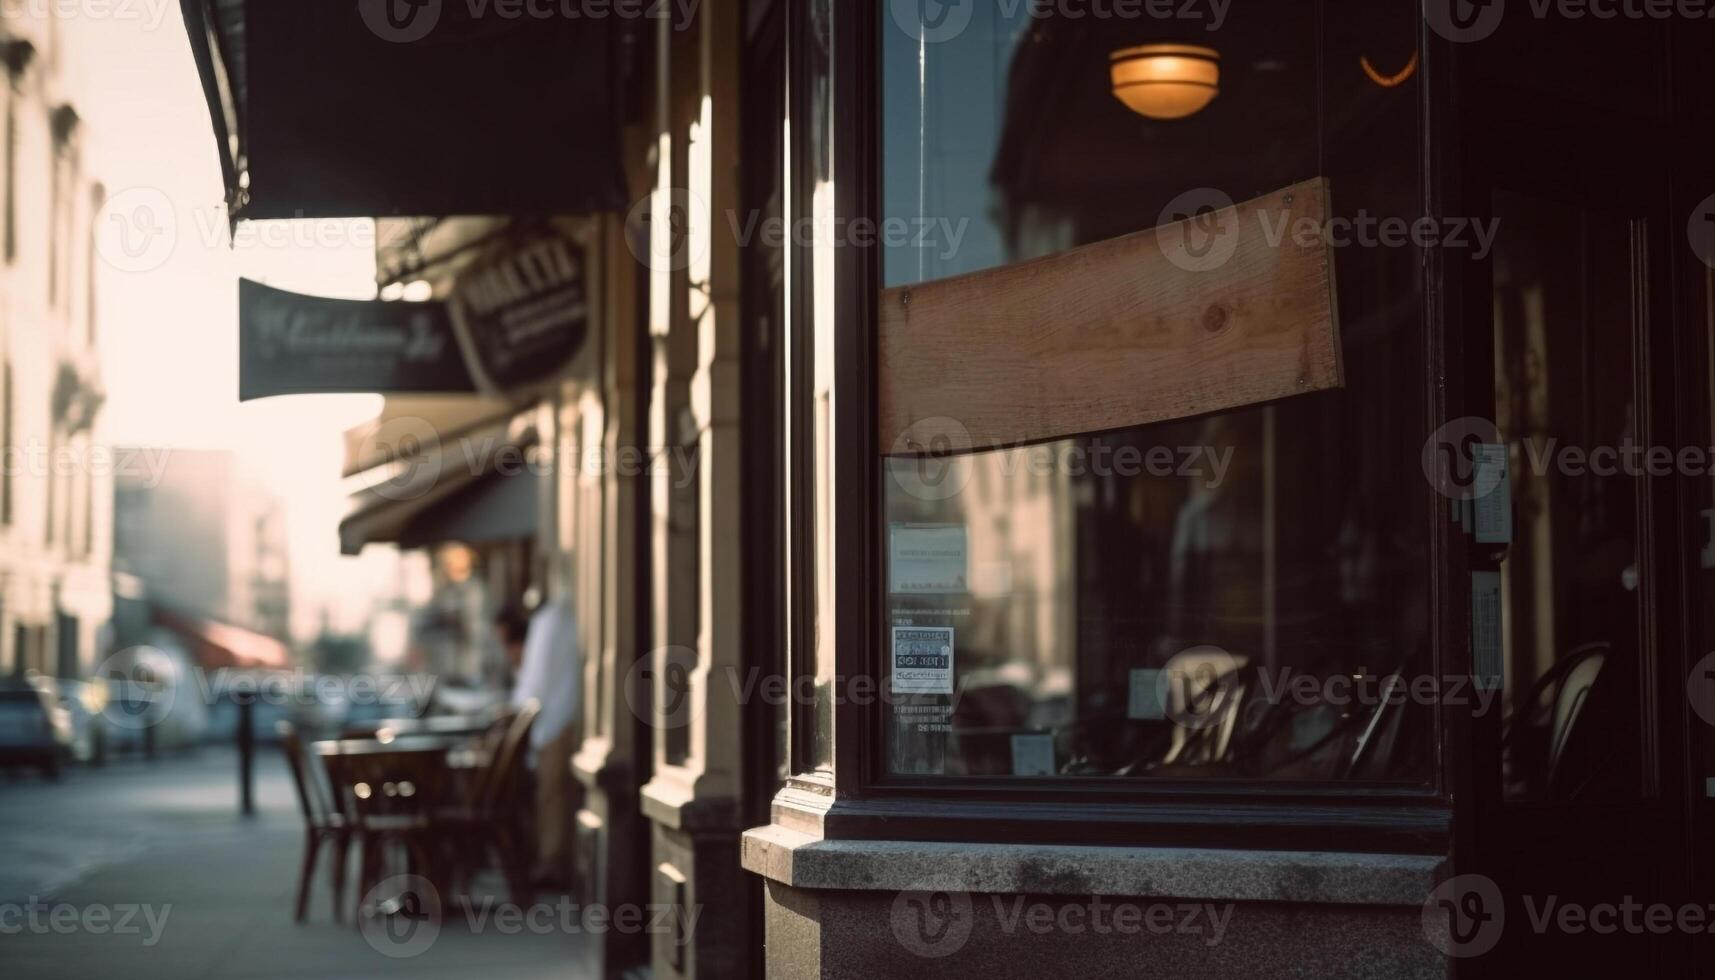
column 334, row 108
column 493, row 509
column 446, row 489
column 380, row 440
column 214, row 645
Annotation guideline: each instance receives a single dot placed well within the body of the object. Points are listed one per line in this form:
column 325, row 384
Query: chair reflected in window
column 1205, row 689
column 1560, row 744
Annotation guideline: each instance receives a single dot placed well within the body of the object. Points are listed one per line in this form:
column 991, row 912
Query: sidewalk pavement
column 146, row 869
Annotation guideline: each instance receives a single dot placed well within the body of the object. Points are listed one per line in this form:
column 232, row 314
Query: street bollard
column 246, row 755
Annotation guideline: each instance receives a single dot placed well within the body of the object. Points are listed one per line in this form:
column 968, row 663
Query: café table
column 429, row 725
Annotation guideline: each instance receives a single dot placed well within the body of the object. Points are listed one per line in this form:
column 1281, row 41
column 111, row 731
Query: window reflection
column 1210, row 597
column 1571, row 581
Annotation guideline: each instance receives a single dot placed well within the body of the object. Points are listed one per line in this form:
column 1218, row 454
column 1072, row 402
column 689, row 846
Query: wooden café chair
column 488, row 817
column 389, row 796
column 323, row 822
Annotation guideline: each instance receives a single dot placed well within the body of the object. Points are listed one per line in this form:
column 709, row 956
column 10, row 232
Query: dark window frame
column 13, row 96
column 858, row 798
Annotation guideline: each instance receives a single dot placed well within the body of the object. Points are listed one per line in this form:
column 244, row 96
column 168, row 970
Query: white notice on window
column 1493, row 520
column 1033, row 755
column 927, row 559
column 922, row 659
column 1144, row 700
column 1486, row 629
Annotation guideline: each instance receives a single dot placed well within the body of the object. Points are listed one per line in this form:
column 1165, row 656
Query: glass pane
column 1219, row 596
column 1700, row 684
column 1565, row 406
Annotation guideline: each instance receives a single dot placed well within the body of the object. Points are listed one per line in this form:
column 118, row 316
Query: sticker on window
column 1492, row 517
column 1033, row 755
column 922, row 660
column 1486, row 629
column 927, row 559
column 1143, row 701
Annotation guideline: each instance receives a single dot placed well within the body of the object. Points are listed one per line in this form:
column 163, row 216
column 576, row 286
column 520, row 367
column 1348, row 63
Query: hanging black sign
column 293, row 344
column 521, row 309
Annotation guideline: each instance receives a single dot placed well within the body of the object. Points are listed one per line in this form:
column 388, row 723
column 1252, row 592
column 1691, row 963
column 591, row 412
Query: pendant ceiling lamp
column 1166, row 81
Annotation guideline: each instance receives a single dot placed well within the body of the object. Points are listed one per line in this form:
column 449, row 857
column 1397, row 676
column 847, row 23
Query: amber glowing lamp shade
column 1166, row 81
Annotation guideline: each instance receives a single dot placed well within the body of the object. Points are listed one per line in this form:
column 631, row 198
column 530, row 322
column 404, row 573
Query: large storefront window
column 1239, row 595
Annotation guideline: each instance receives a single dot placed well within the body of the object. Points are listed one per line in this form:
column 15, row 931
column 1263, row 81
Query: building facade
column 204, row 537
column 55, row 487
column 1029, row 487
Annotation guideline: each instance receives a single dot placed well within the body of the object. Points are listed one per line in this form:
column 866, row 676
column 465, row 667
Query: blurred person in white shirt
column 551, row 672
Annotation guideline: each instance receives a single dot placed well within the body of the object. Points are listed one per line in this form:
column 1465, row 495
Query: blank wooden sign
column 1226, row 309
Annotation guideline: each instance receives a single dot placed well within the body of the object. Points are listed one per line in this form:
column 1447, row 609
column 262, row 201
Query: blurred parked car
column 129, row 714
column 151, row 698
column 266, row 713
column 82, row 702
column 382, row 707
column 34, row 729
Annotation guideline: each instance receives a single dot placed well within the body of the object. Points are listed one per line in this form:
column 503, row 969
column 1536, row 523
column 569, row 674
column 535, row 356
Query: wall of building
column 649, row 507
column 55, row 485
column 695, row 798
column 603, row 488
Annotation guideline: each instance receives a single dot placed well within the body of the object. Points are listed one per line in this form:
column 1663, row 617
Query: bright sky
column 169, row 325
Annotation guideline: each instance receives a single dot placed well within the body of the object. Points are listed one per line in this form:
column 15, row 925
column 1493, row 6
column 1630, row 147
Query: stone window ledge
column 800, row 860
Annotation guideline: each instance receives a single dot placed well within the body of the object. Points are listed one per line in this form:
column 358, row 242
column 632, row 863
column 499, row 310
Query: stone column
column 694, row 797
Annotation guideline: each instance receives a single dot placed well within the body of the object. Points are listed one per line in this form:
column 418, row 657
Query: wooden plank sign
column 1224, row 309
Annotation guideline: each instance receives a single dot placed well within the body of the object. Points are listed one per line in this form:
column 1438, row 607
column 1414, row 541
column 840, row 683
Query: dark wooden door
column 1580, row 790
